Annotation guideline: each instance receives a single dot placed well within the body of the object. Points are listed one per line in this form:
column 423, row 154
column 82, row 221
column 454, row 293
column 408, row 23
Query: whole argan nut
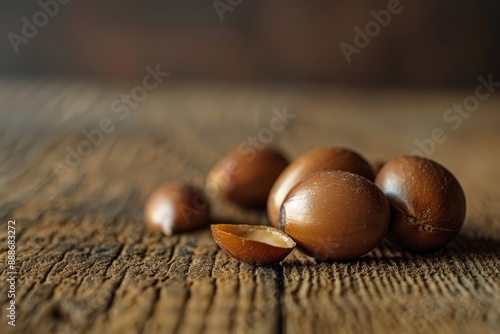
column 335, row 215
column 253, row 244
column 323, row 159
column 427, row 203
column 245, row 177
column 176, row 207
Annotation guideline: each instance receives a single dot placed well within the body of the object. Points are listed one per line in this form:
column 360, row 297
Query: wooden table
column 86, row 263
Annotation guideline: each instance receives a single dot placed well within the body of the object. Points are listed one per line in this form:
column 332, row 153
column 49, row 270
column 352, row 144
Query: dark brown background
column 429, row 44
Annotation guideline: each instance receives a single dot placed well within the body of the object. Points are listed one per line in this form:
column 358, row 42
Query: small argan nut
column 323, row 159
column 254, row 244
column 335, row 215
column 176, row 207
column 427, row 202
column 245, row 177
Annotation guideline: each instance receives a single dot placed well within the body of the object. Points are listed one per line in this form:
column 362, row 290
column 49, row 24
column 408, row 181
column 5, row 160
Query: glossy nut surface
column 335, row 215
column 245, row 178
column 427, row 202
column 176, row 207
column 323, row 159
column 253, row 244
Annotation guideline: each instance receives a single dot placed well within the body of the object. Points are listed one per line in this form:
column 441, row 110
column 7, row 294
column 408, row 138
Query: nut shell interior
column 254, row 244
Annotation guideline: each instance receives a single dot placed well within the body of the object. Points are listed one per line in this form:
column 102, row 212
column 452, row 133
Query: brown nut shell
column 427, row 202
column 323, row 159
column 254, row 244
column 176, row 207
column 245, row 177
column 335, row 215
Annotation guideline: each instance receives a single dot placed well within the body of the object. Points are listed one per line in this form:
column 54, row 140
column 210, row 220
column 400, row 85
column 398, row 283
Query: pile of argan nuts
column 330, row 201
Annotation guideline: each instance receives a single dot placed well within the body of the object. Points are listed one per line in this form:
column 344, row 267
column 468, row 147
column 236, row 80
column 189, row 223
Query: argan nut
column 245, row 177
column 254, row 244
column 428, row 205
column 323, row 159
column 335, row 215
column 176, row 207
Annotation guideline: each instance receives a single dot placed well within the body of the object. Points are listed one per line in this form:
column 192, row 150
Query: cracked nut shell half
column 253, row 244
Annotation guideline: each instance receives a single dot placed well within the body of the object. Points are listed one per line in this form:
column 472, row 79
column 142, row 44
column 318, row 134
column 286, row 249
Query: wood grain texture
column 86, row 263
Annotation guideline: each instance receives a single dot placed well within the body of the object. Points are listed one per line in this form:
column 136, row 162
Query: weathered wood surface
column 87, row 264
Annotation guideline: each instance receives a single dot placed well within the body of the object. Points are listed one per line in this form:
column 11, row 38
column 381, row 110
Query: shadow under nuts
column 253, row 244
column 335, row 215
column 176, row 207
column 323, row 159
column 245, row 178
column 428, row 205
